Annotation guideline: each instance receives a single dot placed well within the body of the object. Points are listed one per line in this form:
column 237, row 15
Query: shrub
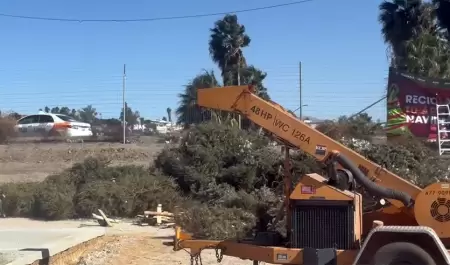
column 121, row 191
column 216, row 222
column 231, row 175
column 131, row 191
column 332, row 129
column 214, row 153
column 230, row 178
column 53, row 201
column 101, row 194
column 411, row 159
column 19, row 199
column 213, row 166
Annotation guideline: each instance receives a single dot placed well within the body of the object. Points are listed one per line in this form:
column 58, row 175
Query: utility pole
column 124, row 77
column 300, row 109
column 239, row 83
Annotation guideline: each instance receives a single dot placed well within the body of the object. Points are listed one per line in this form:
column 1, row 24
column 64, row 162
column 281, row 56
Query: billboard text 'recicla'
column 411, row 104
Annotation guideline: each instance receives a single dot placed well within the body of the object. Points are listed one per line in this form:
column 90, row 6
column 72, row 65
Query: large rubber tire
column 402, row 253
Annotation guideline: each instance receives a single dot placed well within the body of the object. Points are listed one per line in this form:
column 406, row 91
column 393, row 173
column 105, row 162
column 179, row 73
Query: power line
column 368, row 107
column 102, row 97
column 175, row 90
column 141, row 93
column 154, row 18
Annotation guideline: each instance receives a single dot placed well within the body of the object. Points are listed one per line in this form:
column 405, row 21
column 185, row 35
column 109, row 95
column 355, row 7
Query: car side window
column 29, row 119
column 45, row 119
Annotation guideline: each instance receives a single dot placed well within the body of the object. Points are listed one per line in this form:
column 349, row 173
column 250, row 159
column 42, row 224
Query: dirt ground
column 145, row 249
column 128, row 244
column 20, row 162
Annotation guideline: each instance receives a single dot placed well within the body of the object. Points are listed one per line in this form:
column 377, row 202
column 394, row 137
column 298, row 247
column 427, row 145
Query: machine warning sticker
column 282, row 256
column 321, row 150
column 306, row 189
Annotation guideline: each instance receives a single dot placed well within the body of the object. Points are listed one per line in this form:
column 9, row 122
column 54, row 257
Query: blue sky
column 344, row 64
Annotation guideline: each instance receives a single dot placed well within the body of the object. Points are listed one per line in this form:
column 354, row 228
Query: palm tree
column 131, row 117
column 169, row 114
column 74, row 114
column 228, row 37
column 427, row 52
column 410, row 29
column 188, row 111
column 443, row 15
column 65, row 111
column 399, row 20
column 428, row 56
column 253, row 75
column 88, row 114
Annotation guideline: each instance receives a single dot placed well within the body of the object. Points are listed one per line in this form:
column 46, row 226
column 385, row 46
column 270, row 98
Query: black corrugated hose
column 372, row 187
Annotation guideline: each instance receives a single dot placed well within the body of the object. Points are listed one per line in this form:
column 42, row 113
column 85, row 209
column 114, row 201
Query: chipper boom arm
column 287, row 127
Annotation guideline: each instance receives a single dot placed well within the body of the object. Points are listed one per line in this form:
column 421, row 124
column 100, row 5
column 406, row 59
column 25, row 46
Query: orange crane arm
column 278, row 121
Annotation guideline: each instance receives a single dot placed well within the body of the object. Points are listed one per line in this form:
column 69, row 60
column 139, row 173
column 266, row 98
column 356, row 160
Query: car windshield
column 65, row 118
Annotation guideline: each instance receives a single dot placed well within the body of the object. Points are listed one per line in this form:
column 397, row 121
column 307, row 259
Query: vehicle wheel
column 402, row 253
column 54, row 133
column 44, row 135
column 55, row 136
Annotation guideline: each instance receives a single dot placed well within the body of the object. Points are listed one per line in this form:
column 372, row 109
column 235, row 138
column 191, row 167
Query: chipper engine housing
column 324, row 216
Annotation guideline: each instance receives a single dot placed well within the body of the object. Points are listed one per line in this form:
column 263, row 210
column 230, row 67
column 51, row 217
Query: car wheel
column 54, row 134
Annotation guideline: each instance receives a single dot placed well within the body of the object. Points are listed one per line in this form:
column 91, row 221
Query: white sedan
column 52, row 125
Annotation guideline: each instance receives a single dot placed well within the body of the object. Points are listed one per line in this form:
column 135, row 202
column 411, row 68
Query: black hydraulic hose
column 372, row 187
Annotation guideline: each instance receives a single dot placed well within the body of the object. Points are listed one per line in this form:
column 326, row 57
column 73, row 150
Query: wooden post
column 287, row 190
column 158, row 217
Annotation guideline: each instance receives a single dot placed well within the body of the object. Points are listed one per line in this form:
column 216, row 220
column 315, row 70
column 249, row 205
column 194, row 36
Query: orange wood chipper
column 326, row 223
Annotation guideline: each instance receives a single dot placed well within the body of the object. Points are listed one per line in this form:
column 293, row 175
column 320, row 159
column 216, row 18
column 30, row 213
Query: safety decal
column 282, row 256
column 321, row 150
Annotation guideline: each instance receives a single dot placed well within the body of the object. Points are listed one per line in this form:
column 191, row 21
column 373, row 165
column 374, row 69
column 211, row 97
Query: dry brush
column 232, row 178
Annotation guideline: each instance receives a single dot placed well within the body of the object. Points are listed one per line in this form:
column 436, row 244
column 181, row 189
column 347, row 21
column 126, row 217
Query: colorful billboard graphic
column 411, row 104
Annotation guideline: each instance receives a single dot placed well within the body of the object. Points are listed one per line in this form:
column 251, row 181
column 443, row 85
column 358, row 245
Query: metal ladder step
column 443, row 110
column 440, row 106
